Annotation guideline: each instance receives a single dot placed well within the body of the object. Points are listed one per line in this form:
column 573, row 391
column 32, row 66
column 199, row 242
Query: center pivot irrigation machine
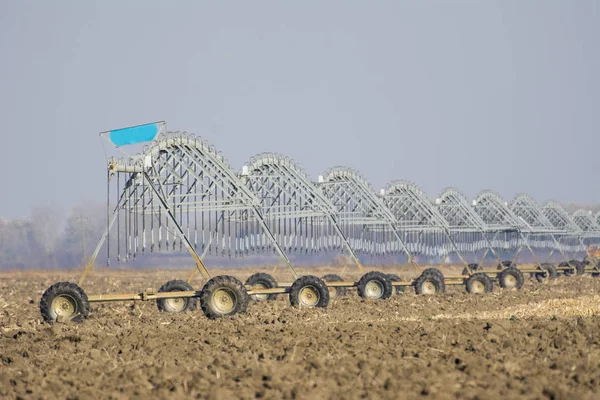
column 179, row 193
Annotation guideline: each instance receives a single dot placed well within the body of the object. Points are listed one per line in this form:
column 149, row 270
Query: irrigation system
column 180, row 194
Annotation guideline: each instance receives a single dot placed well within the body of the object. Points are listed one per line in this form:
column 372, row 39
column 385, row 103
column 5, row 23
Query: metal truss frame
column 421, row 222
column 181, row 191
column 299, row 214
column 590, row 229
column 499, row 218
column 465, row 223
column 543, row 234
column 560, row 219
column 363, row 216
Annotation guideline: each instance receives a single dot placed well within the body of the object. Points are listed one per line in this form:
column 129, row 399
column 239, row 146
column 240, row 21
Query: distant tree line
column 49, row 238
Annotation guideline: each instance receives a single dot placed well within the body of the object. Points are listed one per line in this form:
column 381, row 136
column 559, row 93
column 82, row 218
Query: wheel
column 479, row 283
column 511, row 278
column 222, row 296
column 64, row 301
column 567, row 272
column 261, row 280
column 472, row 266
column 579, row 266
column 506, row 264
column 434, row 271
column 396, row 278
column 176, row 304
column 429, row 283
column 549, row 275
column 375, row 285
column 334, row 291
column 309, row 291
column 591, row 263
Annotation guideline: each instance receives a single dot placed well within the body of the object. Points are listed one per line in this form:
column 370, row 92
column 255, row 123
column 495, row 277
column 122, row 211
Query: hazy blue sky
column 472, row 94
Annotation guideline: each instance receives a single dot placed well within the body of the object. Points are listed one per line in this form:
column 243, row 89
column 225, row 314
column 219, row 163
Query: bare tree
column 15, row 246
column 46, row 231
column 83, row 228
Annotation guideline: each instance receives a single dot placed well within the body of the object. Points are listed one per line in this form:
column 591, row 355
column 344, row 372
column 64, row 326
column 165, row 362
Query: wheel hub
column 429, row 287
column 224, row 300
column 374, row 289
column 64, row 306
column 478, row 287
column 175, row 305
column 309, row 296
column 510, row 281
column 332, row 292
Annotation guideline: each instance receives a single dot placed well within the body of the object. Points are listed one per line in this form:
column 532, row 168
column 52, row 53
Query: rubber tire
column 265, row 279
column 474, row 268
column 434, row 271
column 309, row 280
column 579, row 267
column 481, row 277
column 587, row 260
column 380, row 277
column 514, row 272
column 506, row 264
column 429, row 276
column 64, row 288
column 339, row 291
column 550, row 272
column 567, row 272
column 396, row 278
column 220, row 282
column 177, row 286
column 590, row 261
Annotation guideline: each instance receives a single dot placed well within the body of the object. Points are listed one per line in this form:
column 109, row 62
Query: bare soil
column 540, row 343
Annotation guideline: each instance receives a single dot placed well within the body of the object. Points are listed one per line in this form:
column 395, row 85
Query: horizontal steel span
column 180, row 194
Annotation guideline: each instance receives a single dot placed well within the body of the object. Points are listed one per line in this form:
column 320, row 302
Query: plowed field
column 542, row 342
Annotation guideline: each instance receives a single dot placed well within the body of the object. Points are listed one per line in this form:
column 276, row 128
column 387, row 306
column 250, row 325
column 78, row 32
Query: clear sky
column 472, row 94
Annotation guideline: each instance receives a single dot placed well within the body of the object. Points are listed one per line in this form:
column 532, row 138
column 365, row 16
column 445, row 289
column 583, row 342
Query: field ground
column 540, row 343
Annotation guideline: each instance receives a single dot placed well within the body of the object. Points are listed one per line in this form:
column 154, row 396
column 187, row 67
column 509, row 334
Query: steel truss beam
column 363, row 216
column 464, row 223
column 494, row 211
column 590, row 228
column 295, row 209
column 425, row 228
column 543, row 234
column 572, row 234
column 180, row 190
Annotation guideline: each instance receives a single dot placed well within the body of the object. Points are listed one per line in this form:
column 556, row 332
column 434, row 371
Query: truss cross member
column 199, row 264
column 122, row 200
